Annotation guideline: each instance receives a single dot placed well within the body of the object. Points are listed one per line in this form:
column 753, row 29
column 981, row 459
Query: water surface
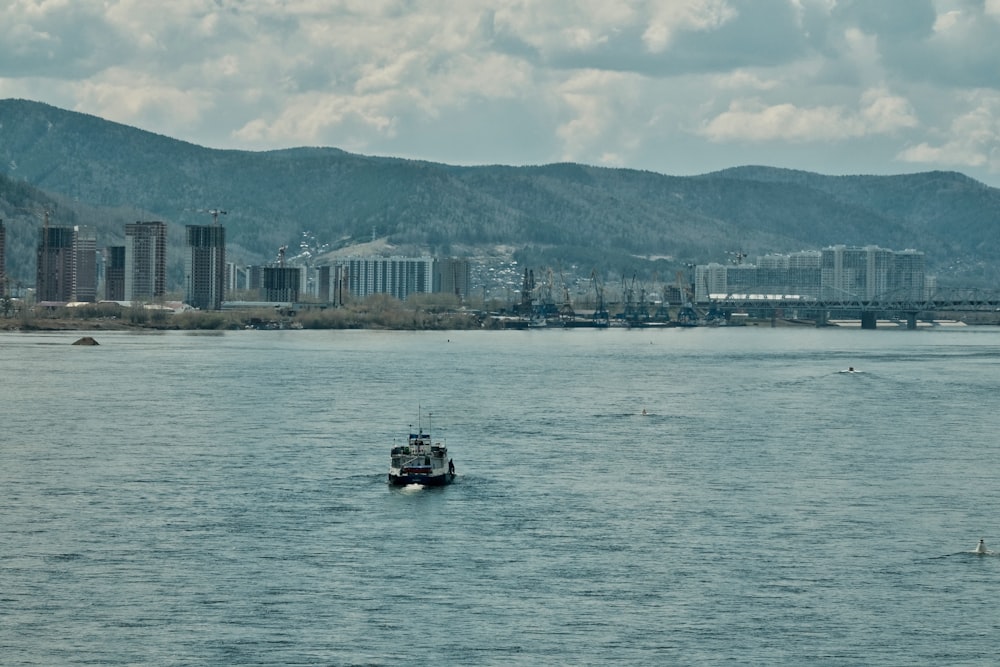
column 181, row 499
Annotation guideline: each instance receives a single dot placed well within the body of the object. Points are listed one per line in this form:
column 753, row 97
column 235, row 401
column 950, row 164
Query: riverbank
column 408, row 320
column 399, row 318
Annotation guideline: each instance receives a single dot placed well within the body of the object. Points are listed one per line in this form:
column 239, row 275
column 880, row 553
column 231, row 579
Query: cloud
column 593, row 104
column 668, row 18
column 646, row 83
column 751, row 120
column 56, row 38
column 122, row 94
column 971, row 140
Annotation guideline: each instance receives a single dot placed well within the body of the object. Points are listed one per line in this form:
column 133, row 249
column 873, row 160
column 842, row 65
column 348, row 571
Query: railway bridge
column 943, row 303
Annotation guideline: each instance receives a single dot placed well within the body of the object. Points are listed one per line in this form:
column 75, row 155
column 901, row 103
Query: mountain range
column 83, row 169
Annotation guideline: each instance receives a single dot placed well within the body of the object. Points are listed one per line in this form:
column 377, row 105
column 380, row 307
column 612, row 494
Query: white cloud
column 308, row 119
column 669, row 18
column 752, row 120
column 742, row 79
column 625, row 83
column 971, row 140
column 884, row 113
column 595, row 103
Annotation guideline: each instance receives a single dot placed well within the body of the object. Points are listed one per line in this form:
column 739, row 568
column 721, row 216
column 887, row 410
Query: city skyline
column 68, row 270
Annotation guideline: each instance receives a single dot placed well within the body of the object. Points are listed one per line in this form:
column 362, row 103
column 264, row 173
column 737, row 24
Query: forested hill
column 611, row 220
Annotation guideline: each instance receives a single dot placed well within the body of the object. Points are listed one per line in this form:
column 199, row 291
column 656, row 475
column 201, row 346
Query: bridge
column 943, row 303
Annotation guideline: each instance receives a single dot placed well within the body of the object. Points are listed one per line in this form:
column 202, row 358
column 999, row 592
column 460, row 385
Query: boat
column 420, row 461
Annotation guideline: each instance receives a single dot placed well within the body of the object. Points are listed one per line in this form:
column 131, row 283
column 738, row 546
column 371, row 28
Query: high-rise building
column 331, row 284
column 710, row 279
column 205, row 266
column 55, row 264
column 254, row 277
column 114, row 273
column 398, row 276
column 84, row 282
column 67, row 264
column 323, row 285
column 145, row 261
column 855, row 273
column 451, row 276
column 909, row 279
column 837, row 273
column 3, row 260
column 281, row 284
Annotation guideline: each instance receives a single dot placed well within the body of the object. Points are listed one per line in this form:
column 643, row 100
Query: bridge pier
column 867, row 320
column 911, row 321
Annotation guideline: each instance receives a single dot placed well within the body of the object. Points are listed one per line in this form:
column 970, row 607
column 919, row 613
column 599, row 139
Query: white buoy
column 981, row 547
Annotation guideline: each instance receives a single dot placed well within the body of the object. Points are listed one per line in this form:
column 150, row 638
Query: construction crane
column 214, row 212
column 281, row 256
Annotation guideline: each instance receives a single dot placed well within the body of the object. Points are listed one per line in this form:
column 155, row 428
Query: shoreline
column 425, row 323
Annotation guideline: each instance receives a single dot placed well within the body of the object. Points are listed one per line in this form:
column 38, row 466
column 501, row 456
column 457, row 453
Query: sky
column 677, row 87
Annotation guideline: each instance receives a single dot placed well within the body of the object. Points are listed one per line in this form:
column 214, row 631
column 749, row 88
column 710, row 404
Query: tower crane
column 214, row 212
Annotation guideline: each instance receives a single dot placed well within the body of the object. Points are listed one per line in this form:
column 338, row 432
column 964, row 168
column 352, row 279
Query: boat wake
column 971, row 553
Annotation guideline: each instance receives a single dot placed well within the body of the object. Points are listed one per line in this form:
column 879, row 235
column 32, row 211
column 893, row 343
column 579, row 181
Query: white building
column 398, row 276
column 835, row 273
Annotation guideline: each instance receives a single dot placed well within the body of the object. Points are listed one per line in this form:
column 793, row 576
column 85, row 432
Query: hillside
column 97, row 172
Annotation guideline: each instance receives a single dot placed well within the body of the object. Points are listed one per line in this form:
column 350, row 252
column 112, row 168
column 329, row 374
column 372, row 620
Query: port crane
column 600, row 309
column 527, row 293
column 636, row 310
column 566, row 307
column 686, row 313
